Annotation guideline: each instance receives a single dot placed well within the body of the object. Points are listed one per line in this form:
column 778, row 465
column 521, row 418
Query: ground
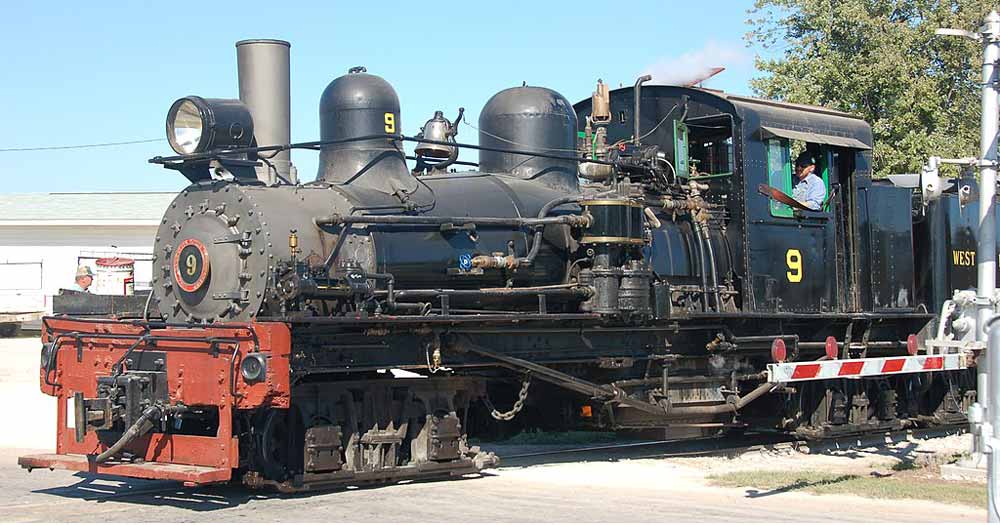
column 598, row 486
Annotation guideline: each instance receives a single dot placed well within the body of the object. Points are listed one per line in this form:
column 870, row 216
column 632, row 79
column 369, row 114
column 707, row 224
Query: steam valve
column 600, row 112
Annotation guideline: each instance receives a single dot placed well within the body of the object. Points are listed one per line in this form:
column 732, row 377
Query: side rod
column 610, row 393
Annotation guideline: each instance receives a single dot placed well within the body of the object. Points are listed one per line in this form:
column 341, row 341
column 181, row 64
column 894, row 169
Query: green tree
column 878, row 59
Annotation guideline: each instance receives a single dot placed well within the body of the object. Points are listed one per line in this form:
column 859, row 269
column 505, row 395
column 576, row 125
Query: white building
column 45, row 236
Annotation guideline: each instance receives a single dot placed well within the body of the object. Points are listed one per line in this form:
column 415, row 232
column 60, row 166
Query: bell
column 436, row 129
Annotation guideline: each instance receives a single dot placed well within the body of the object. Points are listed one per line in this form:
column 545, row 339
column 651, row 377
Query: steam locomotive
column 633, row 261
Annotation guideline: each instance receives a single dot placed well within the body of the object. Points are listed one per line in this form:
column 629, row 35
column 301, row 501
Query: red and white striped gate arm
column 873, row 366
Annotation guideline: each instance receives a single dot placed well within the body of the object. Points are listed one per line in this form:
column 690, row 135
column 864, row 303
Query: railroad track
column 718, row 447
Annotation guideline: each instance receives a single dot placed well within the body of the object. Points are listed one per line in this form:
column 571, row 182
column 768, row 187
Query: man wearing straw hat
column 84, row 278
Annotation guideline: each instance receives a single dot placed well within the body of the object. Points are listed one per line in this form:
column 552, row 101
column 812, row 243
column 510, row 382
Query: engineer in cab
column 810, row 189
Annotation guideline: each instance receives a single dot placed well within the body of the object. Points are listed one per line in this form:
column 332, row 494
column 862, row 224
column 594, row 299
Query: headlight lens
column 187, row 127
column 48, row 350
column 197, row 125
column 253, row 368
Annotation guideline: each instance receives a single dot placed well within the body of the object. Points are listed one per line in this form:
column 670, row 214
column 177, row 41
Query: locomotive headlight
column 48, row 354
column 197, row 125
column 253, row 368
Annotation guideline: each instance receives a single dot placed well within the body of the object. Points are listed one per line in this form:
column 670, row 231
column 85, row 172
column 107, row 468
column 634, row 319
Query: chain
column 518, row 405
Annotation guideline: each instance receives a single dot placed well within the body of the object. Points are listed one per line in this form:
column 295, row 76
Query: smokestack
column 264, row 78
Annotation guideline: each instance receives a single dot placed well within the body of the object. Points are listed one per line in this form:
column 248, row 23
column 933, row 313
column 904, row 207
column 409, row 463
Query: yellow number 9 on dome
column 390, row 123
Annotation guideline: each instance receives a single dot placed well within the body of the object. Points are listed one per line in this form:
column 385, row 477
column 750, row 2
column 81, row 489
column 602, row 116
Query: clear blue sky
column 89, row 72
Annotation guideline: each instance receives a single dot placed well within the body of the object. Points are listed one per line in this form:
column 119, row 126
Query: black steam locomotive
column 633, row 261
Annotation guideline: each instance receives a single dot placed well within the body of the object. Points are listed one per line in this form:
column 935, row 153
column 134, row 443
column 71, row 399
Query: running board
column 189, row 474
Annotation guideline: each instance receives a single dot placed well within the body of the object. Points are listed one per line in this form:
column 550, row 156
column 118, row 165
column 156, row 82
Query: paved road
column 634, row 490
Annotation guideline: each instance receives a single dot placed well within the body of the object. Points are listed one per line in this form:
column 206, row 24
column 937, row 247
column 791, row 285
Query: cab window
column 779, row 174
column 780, row 158
column 703, row 146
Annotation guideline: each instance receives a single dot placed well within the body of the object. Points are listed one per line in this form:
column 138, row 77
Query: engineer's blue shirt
column 810, row 191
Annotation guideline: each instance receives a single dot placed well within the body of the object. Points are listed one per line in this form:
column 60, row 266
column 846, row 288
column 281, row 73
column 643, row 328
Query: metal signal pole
column 988, row 439
column 986, row 255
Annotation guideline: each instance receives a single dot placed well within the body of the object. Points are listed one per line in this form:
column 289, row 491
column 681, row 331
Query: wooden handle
column 781, row 197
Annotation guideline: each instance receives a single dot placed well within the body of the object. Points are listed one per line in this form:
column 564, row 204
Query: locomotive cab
column 784, row 257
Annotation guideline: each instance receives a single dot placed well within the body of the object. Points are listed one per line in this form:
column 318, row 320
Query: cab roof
column 765, row 118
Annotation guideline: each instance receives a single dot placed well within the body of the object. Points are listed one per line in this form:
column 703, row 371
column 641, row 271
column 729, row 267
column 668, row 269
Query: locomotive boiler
column 233, row 252
column 633, row 261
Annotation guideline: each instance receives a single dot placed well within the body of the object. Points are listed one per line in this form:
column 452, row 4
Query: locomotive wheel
column 275, row 433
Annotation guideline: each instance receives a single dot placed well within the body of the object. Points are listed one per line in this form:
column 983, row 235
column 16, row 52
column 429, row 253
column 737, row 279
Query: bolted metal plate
column 198, row 279
column 244, row 232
